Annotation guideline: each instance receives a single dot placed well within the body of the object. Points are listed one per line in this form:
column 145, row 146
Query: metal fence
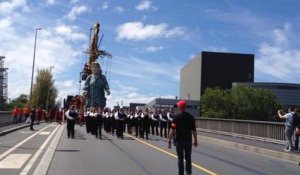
column 5, row 117
column 258, row 129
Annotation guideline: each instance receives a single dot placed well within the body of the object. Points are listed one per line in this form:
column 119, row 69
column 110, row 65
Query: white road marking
column 14, row 161
column 26, row 132
column 44, row 164
column 37, row 154
column 19, row 144
column 45, row 133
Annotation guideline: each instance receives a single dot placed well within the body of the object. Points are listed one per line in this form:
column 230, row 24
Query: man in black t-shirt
column 184, row 127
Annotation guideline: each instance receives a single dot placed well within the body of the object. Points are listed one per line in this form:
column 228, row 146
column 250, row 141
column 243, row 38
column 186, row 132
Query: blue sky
column 149, row 40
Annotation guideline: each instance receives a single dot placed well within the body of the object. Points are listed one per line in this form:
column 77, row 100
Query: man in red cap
column 183, row 126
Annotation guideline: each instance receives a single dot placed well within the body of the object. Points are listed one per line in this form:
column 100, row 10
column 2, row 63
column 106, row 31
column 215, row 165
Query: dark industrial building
column 287, row 94
column 165, row 103
column 134, row 106
column 214, row 69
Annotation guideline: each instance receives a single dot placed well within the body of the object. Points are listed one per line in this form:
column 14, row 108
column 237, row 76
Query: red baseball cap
column 181, row 103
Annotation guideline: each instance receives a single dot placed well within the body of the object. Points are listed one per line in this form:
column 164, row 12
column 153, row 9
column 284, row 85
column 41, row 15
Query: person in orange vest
column 15, row 114
column 20, row 113
column 26, row 112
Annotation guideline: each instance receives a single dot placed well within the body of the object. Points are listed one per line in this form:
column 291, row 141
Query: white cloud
column 69, row 32
column 280, row 35
column 74, row 1
column 154, row 48
column 119, row 9
column 9, row 7
column 144, row 5
column 279, row 60
column 68, row 83
column 278, row 64
column 148, row 72
column 130, row 94
column 5, row 23
column 175, row 32
column 66, row 87
column 105, row 5
column 51, row 50
column 138, row 31
column 51, row 2
column 75, row 11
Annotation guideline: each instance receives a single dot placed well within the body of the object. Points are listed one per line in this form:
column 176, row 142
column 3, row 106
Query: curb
column 260, row 151
column 2, row 133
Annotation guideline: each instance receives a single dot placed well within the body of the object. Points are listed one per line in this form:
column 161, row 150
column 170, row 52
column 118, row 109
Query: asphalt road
column 48, row 150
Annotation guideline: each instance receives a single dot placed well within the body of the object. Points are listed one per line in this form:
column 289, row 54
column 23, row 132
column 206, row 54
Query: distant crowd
column 23, row 114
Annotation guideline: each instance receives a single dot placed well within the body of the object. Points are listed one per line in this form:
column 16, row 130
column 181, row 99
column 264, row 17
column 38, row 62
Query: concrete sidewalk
column 260, row 147
column 12, row 127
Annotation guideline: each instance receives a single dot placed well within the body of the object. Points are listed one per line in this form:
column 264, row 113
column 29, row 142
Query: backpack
column 296, row 121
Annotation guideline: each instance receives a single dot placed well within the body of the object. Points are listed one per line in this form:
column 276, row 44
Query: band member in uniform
column 145, row 120
column 119, row 118
column 93, row 120
column 163, row 123
column 137, row 119
column 98, row 123
column 71, row 115
column 112, row 122
column 130, row 124
column 88, row 119
column 155, row 121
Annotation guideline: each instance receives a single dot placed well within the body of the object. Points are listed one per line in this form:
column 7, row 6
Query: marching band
column 139, row 123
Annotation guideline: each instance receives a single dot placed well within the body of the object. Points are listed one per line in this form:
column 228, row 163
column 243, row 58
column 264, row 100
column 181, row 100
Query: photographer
column 297, row 131
column 289, row 126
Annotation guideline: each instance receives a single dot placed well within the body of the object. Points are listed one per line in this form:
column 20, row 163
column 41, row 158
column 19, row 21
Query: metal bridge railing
column 245, row 128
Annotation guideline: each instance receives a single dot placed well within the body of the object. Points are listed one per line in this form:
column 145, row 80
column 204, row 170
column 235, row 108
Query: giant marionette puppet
column 96, row 83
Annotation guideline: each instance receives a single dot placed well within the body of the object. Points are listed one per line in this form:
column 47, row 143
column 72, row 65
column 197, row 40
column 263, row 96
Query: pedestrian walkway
column 12, row 127
column 256, row 146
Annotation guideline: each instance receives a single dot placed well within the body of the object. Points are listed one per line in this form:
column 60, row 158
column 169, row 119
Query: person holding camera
column 289, row 126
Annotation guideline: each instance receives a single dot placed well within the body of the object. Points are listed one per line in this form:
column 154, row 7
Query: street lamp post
column 36, row 30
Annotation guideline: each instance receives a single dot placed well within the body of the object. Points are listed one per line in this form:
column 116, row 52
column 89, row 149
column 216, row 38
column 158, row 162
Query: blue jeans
column 184, row 150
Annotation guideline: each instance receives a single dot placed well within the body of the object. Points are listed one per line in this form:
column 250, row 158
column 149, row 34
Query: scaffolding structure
column 3, row 83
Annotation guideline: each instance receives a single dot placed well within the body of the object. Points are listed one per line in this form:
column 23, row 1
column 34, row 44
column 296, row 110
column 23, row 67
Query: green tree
column 44, row 92
column 240, row 102
column 214, row 103
column 19, row 102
